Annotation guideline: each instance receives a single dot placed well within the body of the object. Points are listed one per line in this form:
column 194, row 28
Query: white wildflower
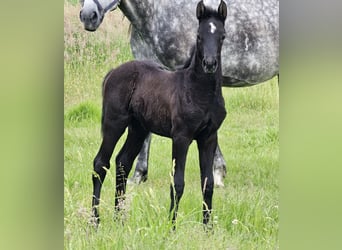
column 235, row 221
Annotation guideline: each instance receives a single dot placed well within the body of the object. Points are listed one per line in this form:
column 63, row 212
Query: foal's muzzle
column 209, row 65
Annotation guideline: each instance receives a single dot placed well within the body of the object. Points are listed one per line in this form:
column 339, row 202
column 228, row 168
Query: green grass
column 73, row 2
column 246, row 210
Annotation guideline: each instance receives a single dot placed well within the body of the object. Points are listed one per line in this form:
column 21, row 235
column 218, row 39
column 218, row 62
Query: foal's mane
column 189, row 59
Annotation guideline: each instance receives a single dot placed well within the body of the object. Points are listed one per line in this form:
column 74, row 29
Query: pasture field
column 246, row 210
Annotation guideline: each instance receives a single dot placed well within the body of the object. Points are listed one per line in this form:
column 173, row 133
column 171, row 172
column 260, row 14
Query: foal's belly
column 160, row 126
column 154, row 118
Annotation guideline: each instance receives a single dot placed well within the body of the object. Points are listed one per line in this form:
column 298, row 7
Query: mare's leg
column 142, row 50
column 180, row 146
column 125, row 158
column 141, row 168
column 112, row 131
column 206, row 148
column 219, row 166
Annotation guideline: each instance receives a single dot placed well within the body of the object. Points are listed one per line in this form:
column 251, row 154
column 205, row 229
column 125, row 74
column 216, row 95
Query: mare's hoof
column 137, row 178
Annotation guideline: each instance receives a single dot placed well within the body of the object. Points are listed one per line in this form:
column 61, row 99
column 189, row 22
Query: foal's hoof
column 94, row 222
column 208, row 228
column 137, row 178
column 219, row 175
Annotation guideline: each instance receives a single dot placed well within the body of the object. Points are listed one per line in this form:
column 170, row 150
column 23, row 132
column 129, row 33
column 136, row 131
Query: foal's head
column 210, row 35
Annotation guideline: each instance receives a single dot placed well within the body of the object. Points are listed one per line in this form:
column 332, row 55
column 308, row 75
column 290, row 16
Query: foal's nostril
column 210, row 64
column 214, row 64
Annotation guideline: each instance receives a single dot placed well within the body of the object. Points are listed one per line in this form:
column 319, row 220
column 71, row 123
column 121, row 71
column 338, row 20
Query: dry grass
column 88, row 56
column 114, row 25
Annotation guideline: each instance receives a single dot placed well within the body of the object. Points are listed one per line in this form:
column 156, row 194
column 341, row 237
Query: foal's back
column 146, row 91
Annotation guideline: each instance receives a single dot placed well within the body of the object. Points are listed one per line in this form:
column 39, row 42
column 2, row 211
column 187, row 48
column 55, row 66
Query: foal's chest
column 205, row 118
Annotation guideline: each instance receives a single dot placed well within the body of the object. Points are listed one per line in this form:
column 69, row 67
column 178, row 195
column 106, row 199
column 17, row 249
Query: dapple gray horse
column 159, row 33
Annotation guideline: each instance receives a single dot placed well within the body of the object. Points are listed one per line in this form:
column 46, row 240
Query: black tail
column 103, row 101
column 102, row 119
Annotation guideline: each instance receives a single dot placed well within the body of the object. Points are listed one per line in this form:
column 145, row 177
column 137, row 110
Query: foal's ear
column 200, row 9
column 222, row 10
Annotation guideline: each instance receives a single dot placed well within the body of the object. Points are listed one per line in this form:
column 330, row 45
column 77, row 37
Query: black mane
column 188, row 60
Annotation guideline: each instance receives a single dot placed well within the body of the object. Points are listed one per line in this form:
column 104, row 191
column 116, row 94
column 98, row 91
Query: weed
column 83, row 113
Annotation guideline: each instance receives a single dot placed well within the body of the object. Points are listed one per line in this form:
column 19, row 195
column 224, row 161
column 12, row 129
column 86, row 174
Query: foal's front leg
column 180, row 146
column 206, row 149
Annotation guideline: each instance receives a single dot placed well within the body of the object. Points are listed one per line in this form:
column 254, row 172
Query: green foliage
column 245, row 214
column 83, row 113
column 73, row 2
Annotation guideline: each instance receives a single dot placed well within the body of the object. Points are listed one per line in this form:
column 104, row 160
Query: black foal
column 184, row 105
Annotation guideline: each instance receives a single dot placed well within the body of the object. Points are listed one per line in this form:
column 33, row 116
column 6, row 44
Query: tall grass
column 89, row 56
column 245, row 214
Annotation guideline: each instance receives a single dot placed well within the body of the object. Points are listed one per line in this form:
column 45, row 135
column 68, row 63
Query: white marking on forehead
column 212, row 27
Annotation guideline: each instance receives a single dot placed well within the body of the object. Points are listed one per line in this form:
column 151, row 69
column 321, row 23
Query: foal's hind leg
column 111, row 134
column 125, row 158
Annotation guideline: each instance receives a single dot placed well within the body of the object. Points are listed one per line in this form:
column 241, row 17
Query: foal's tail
column 102, row 118
column 105, row 79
